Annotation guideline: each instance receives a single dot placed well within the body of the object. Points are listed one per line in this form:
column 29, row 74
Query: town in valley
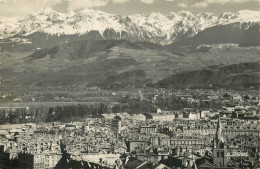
column 177, row 129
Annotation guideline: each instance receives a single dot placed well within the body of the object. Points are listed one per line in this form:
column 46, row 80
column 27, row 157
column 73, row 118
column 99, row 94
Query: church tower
column 219, row 148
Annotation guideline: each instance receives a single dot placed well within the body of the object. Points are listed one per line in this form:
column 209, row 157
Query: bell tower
column 219, row 148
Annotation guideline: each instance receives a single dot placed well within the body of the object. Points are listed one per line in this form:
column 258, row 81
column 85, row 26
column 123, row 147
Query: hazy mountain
column 237, row 76
column 86, row 48
column 120, row 63
column 241, row 33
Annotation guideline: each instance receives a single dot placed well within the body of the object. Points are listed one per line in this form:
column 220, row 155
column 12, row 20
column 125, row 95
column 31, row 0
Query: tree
column 2, row 117
column 102, row 108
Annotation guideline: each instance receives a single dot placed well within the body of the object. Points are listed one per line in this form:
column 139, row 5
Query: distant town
column 217, row 129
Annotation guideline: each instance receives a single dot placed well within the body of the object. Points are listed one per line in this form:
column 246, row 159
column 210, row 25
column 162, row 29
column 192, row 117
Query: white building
column 163, row 116
column 230, row 109
column 108, row 116
column 140, row 117
column 204, row 113
column 194, row 116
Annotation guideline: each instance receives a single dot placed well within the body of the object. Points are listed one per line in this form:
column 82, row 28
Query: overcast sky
column 21, row 8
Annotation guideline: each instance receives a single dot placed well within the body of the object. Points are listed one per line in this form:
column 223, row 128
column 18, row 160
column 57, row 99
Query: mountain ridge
column 154, row 27
column 93, row 48
column 235, row 76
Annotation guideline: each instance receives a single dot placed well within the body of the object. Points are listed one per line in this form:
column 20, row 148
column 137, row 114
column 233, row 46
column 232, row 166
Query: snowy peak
column 92, row 12
column 154, row 27
column 46, row 11
column 240, row 16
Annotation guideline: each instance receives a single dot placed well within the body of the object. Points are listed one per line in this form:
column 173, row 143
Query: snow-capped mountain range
column 154, row 27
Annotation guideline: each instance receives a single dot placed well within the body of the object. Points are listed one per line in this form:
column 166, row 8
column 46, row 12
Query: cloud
column 78, row 4
column 182, row 5
column 206, row 3
column 147, row 1
column 200, row 5
column 120, row 1
column 20, row 8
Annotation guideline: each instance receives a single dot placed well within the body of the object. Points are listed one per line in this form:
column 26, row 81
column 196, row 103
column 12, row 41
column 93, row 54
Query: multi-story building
column 116, row 125
column 162, row 116
column 31, row 160
column 133, row 145
column 148, row 129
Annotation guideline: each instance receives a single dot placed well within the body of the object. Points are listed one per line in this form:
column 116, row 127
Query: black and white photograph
column 129, row 84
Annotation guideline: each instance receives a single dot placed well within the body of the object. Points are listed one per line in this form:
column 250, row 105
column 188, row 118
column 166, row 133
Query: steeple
column 219, row 148
column 218, row 141
column 219, row 130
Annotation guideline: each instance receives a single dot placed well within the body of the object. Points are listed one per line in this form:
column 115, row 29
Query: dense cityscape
column 197, row 136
